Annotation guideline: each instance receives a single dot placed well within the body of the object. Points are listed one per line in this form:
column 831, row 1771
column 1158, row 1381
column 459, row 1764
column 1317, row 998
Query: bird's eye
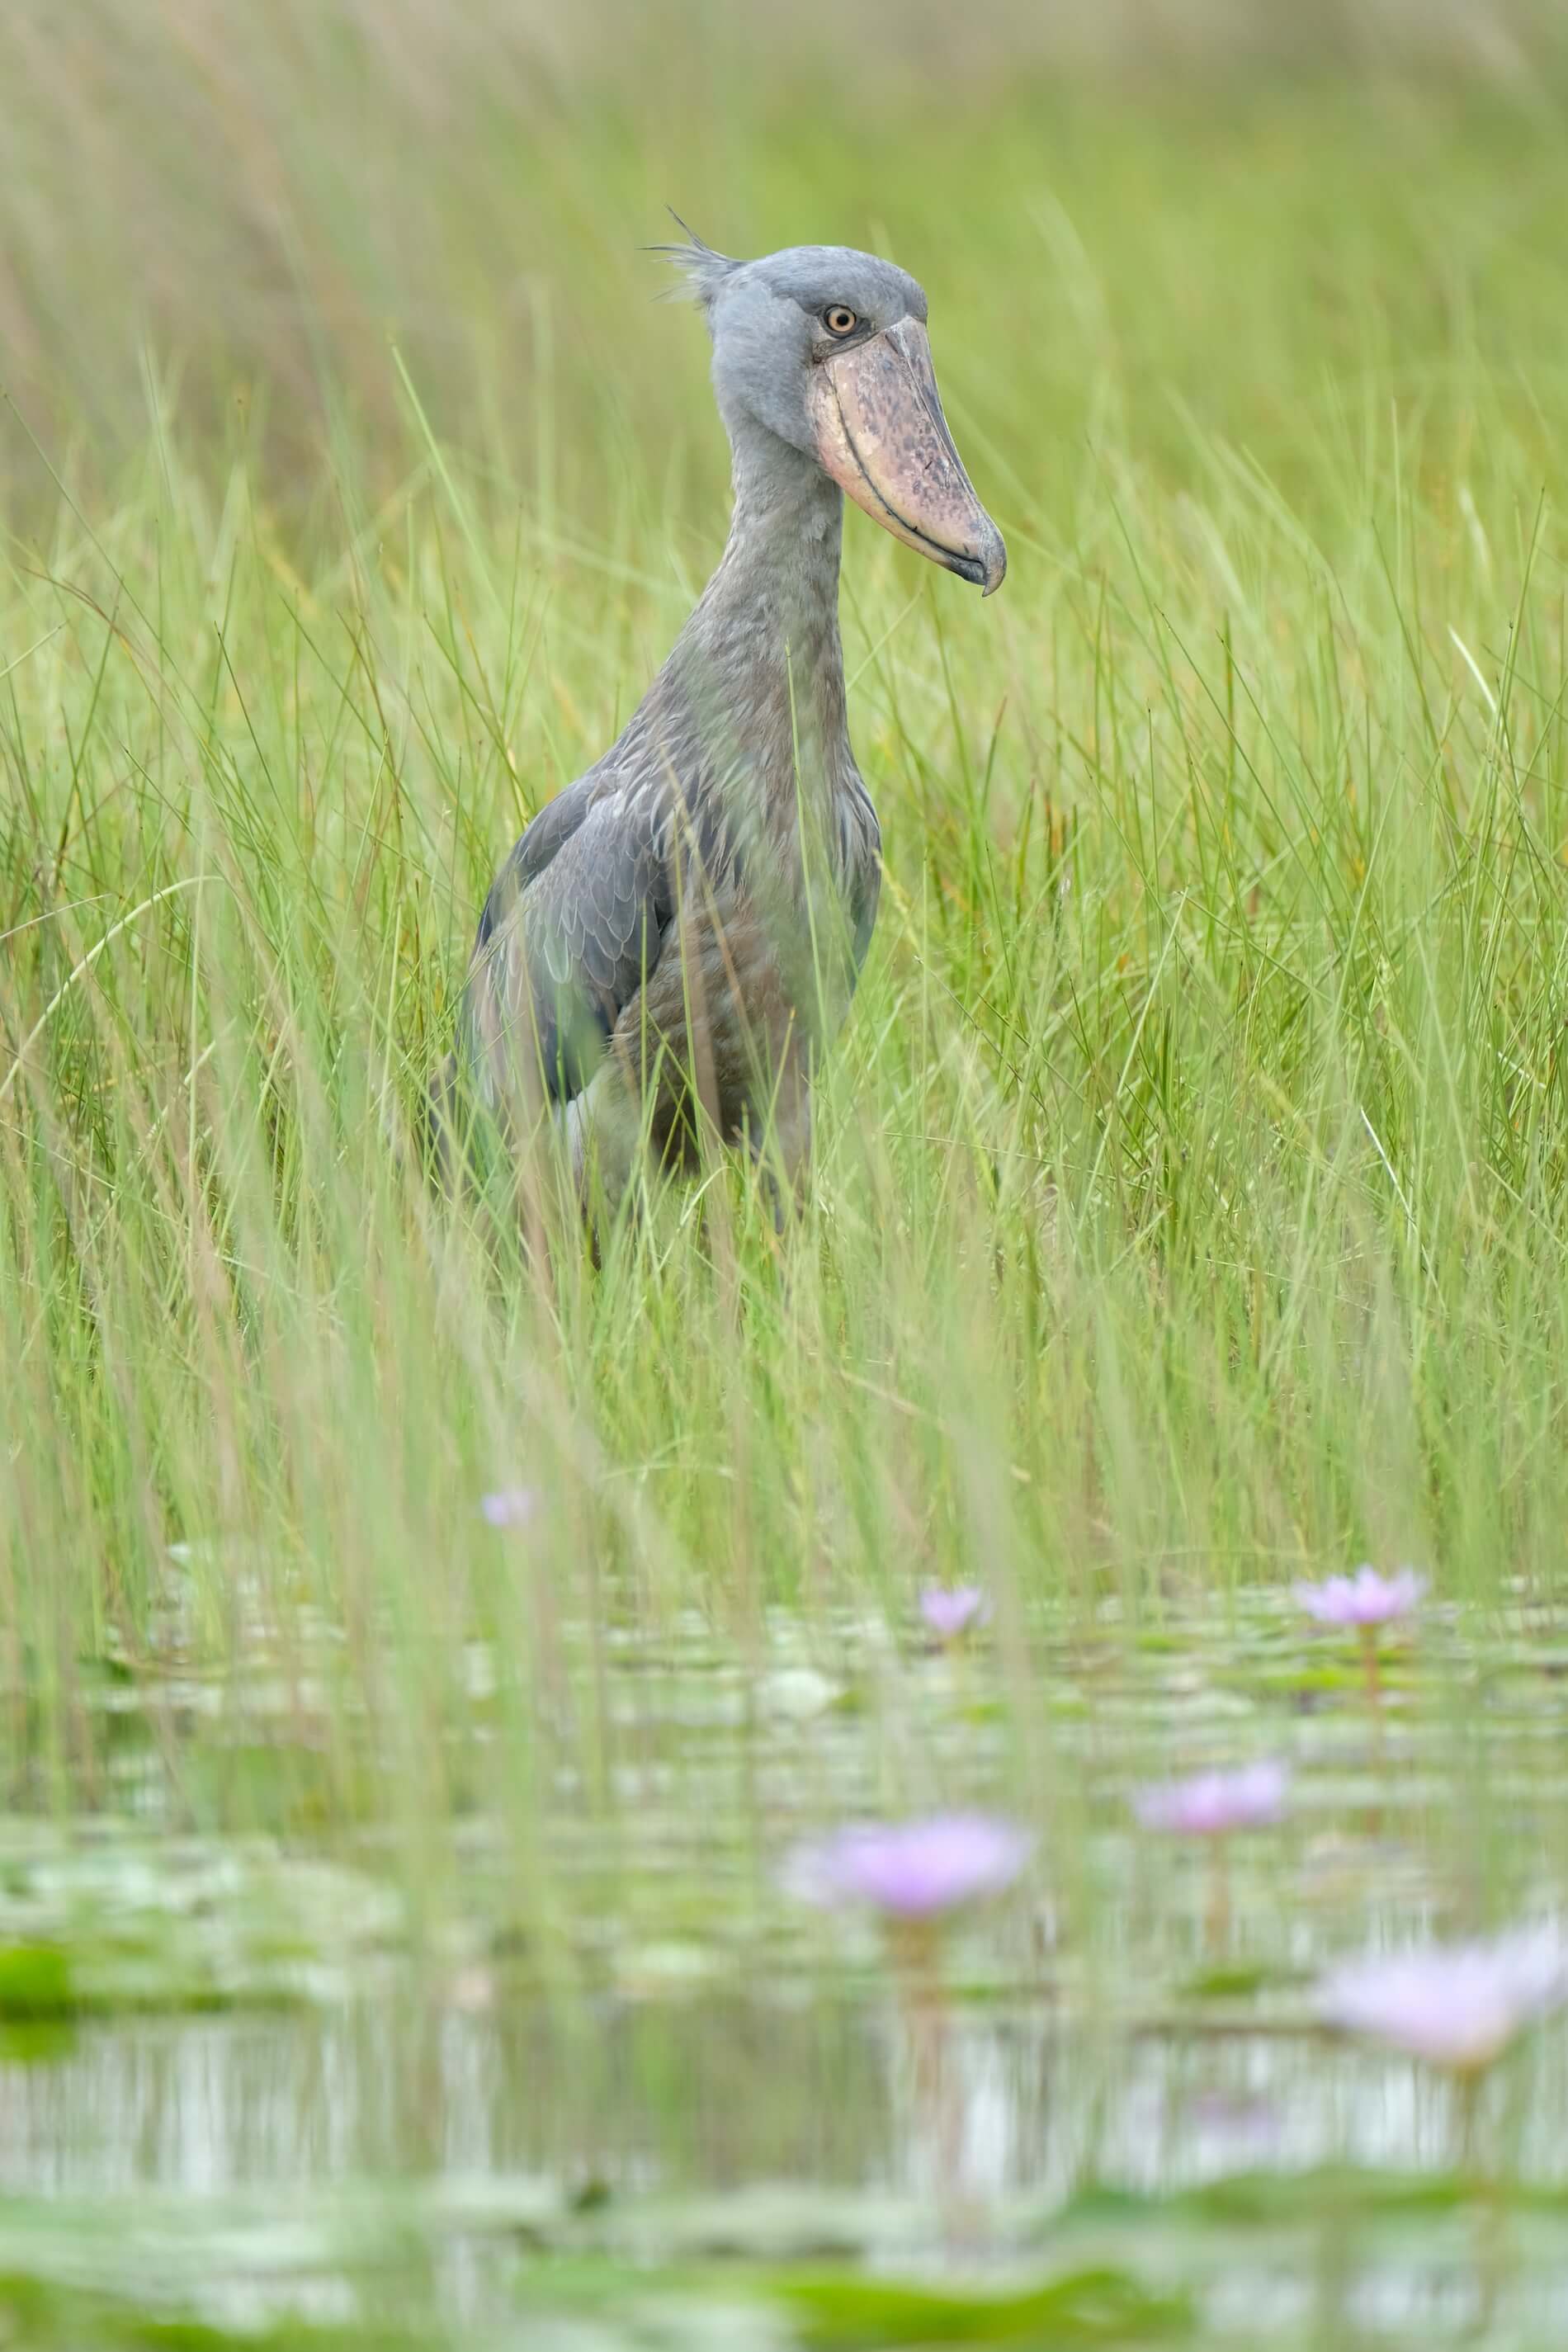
column 839, row 319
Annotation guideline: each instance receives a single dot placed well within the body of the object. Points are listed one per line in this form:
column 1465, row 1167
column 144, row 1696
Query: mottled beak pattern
column 881, row 435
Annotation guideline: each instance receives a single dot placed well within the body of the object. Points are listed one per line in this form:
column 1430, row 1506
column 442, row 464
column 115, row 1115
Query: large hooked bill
column 881, row 435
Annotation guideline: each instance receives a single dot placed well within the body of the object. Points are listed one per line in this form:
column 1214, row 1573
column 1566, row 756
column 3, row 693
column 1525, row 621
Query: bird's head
column 826, row 348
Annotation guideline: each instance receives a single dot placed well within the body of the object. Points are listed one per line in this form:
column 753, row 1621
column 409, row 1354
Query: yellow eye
column 839, row 319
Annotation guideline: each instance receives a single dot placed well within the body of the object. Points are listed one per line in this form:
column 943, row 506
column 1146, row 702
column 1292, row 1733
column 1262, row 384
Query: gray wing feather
column 861, row 838
column 574, row 924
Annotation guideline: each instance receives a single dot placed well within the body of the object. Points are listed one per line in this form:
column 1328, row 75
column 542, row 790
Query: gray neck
column 766, row 631
column 785, row 533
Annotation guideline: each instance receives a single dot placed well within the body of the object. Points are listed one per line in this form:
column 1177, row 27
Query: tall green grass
column 1189, row 1202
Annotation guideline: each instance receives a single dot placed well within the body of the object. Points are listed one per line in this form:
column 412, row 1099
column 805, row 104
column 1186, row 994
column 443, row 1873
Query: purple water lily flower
column 510, row 1507
column 1456, row 2005
column 951, row 1611
column 912, row 1870
column 1363, row 1600
column 1211, row 1804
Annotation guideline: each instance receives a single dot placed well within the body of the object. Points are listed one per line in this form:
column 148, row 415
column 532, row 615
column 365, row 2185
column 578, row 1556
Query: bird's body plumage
column 679, row 932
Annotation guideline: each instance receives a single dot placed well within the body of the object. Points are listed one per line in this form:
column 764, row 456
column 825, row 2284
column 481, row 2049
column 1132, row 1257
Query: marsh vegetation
column 397, row 1940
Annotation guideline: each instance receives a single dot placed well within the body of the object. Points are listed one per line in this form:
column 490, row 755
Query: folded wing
column 573, row 925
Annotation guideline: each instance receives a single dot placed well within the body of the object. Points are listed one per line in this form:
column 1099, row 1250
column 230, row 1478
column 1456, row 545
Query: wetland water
column 270, row 2081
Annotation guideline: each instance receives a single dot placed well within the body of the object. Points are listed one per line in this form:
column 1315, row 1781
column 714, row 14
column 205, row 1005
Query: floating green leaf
column 1091, row 2306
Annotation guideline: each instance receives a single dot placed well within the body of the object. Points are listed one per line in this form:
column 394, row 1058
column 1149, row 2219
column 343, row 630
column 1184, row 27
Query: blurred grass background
column 1189, row 1206
column 252, row 201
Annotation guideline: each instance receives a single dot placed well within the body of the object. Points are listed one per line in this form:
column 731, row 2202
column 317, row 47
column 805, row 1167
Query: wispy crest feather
column 703, row 271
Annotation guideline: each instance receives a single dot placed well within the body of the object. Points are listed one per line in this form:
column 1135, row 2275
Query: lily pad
column 1095, row 2306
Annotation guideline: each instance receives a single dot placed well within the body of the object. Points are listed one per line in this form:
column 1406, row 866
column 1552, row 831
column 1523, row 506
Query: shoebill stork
column 677, row 934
